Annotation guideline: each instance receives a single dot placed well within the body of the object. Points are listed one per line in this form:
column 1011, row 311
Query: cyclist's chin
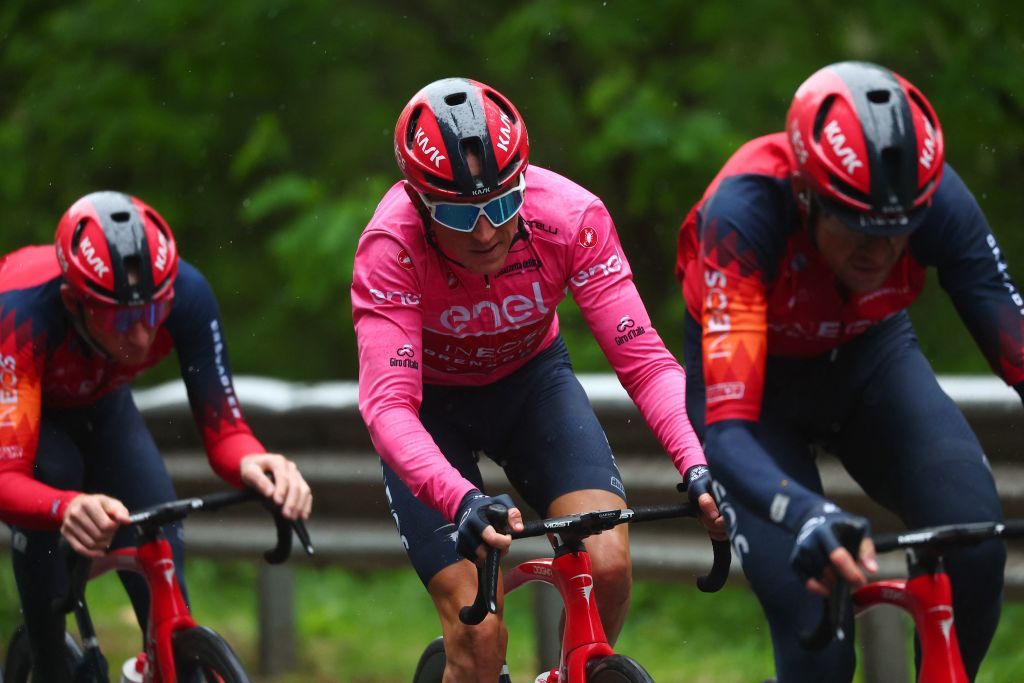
column 125, row 354
column 487, row 263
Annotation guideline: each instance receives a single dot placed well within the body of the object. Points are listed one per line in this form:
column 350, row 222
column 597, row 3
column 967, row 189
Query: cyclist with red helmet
column 77, row 324
column 456, row 281
column 797, row 267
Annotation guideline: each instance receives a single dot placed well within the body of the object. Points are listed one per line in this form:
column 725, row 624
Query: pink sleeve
column 388, row 333
column 602, row 285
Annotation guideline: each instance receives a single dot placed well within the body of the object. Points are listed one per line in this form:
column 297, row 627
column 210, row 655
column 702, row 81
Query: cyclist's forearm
column 28, row 503
column 746, row 470
column 405, row 445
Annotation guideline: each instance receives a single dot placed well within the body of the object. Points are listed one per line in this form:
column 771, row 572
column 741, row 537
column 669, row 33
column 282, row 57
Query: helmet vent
column 502, row 104
column 121, row 216
column 879, row 96
column 76, row 236
column 410, row 131
column 455, row 99
column 819, row 119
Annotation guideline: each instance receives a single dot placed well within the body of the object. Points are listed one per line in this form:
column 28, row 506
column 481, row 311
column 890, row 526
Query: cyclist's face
column 130, row 347
column 482, row 251
column 860, row 262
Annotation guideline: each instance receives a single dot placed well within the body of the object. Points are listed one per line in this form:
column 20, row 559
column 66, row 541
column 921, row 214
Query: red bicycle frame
column 570, row 572
column 584, row 638
column 928, row 598
column 168, row 612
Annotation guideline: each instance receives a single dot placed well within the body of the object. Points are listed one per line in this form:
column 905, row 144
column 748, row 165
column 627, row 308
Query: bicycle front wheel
column 202, row 655
column 432, row 662
column 616, row 669
column 18, row 664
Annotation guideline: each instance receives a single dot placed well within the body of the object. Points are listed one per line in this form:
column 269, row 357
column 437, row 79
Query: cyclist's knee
column 476, row 652
column 613, row 574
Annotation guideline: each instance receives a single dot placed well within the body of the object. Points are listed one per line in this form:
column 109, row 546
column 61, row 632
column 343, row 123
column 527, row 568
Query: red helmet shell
column 103, row 236
column 446, row 119
column 868, row 143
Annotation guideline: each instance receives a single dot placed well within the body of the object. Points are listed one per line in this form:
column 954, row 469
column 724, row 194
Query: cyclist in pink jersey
column 457, row 277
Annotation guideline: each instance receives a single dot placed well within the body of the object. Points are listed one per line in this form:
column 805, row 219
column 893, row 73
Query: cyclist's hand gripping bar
column 487, row 573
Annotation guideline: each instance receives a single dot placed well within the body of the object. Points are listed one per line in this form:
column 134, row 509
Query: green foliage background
column 261, row 129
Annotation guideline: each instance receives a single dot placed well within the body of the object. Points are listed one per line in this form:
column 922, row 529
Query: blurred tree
column 262, row 129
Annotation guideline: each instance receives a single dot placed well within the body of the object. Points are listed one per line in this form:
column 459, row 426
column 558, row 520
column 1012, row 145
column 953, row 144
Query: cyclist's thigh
column 427, row 536
column 910, row 447
column 38, row 577
column 557, row 446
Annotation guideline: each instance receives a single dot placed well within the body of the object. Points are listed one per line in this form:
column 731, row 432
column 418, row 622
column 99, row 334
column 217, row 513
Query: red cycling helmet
column 102, row 236
column 444, row 120
column 868, row 145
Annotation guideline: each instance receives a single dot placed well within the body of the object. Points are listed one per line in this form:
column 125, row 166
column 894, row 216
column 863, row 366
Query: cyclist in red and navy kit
column 797, row 269
column 456, row 281
column 77, row 324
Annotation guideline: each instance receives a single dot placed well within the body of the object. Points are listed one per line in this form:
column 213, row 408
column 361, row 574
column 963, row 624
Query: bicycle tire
column 18, row 663
column 617, row 669
column 201, row 654
column 430, row 668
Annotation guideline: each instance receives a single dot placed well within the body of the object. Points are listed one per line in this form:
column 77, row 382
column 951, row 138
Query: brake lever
column 833, row 615
column 487, row 574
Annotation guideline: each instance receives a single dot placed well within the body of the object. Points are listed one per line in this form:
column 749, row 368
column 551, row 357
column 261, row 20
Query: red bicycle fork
column 928, row 598
column 168, row 612
column 584, row 638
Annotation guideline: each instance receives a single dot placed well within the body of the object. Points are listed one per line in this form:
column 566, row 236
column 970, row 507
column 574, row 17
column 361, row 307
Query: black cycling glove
column 827, row 528
column 696, row 482
column 471, row 521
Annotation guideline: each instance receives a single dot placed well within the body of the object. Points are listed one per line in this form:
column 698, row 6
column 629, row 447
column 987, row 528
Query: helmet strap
column 78, row 321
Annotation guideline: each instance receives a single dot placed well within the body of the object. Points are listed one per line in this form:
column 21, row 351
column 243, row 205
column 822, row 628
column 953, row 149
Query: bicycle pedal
column 547, row 677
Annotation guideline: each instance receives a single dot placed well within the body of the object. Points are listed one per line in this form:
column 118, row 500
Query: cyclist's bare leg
column 475, row 654
column 609, row 555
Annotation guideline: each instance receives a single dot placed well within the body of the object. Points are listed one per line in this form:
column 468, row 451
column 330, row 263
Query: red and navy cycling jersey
column 46, row 365
column 757, row 285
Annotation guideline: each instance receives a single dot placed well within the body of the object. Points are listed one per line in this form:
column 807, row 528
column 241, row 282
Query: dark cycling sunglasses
column 463, row 217
column 120, row 319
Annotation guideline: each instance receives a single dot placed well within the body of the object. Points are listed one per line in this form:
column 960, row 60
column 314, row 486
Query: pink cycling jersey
column 420, row 317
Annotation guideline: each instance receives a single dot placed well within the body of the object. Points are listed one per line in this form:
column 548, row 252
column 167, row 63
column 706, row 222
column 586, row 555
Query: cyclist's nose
column 140, row 335
column 484, row 229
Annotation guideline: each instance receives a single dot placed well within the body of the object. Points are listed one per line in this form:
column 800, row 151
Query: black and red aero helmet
column 446, row 119
column 103, row 236
column 868, row 144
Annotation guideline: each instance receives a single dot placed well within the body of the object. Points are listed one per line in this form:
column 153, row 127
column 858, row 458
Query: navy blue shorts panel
column 536, row 424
